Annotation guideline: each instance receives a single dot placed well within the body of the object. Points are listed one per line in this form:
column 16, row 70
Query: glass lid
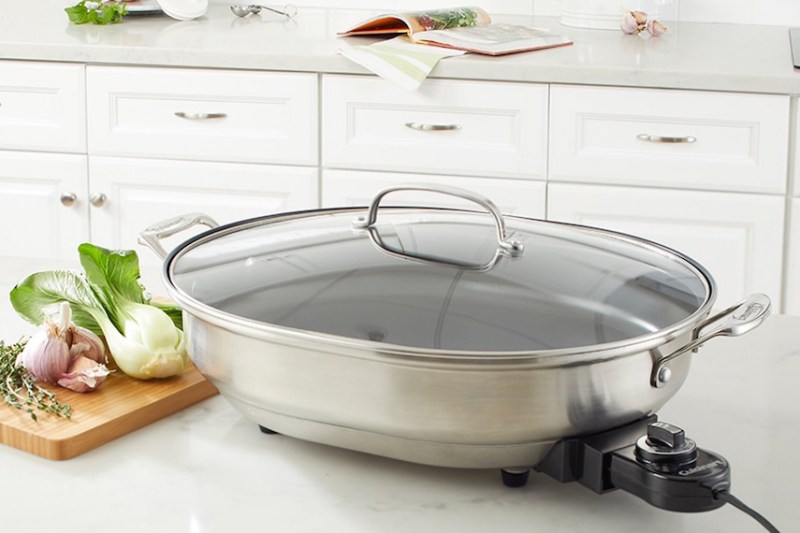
column 441, row 279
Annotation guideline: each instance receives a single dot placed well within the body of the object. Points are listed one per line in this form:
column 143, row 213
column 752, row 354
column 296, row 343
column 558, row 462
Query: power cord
column 727, row 497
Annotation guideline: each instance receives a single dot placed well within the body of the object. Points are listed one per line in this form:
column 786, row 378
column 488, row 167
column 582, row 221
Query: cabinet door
column 356, row 188
column 44, row 199
column 738, row 238
column 139, row 192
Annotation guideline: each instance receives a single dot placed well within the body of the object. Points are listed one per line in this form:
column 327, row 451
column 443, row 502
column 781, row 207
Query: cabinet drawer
column 685, row 139
column 358, row 188
column 206, row 115
column 447, row 126
column 42, row 106
column 737, row 237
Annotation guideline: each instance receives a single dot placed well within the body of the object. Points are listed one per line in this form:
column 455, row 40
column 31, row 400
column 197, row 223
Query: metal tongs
column 289, row 10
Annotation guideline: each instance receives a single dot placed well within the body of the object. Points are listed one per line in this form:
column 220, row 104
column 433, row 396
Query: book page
column 419, row 21
column 493, row 39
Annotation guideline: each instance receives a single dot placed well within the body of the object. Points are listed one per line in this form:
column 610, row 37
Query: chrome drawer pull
column 420, row 126
column 665, row 139
column 199, row 116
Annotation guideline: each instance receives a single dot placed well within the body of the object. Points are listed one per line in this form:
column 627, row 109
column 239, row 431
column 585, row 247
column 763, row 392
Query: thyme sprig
column 19, row 389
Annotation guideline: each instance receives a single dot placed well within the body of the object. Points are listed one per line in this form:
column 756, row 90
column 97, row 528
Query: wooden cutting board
column 121, row 405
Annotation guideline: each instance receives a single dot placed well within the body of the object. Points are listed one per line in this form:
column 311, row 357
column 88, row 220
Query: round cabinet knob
column 68, row 198
column 98, row 199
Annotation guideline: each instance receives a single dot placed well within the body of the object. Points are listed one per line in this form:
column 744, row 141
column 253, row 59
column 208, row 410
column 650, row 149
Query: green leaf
column 77, row 14
column 113, row 275
column 40, row 295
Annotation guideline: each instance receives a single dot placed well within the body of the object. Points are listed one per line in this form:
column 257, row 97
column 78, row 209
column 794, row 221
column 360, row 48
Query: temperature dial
column 666, row 448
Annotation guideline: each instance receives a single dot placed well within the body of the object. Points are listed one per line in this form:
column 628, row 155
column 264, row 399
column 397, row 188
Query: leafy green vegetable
column 97, row 12
column 145, row 340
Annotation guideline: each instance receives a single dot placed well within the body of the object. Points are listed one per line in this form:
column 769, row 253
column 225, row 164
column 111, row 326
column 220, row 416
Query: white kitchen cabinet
column 211, row 115
column 792, row 306
column 737, row 237
column 44, row 199
column 669, row 138
column 475, row 128
column 140, row 192
column 357, row 188
column 42, row 106
column 703, row 172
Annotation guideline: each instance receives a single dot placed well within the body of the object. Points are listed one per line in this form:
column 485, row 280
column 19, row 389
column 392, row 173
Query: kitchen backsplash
column 781, row 12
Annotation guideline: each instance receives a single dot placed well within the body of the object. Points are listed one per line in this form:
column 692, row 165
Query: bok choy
column 144, row 340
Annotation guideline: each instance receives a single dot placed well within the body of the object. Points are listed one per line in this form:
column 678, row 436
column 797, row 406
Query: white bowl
column 184, row 9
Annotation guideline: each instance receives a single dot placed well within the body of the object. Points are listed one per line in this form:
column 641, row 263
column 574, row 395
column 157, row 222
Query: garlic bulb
column 63, row 353
column 636, row 22
column 46, row 355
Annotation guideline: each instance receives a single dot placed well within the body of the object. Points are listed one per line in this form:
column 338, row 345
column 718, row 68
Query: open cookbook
column 460, row 28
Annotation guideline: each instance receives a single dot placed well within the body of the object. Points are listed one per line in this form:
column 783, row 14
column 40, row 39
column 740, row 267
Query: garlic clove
column 640, row 17
column 84, row 375
column 629, row 24
column 87, row 344
column 655, row 28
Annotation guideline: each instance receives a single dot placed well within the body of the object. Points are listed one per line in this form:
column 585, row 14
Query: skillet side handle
column 152, row 236
column 732, row 322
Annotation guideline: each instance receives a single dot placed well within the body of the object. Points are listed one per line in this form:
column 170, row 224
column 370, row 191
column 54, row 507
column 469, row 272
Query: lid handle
column 508, row 246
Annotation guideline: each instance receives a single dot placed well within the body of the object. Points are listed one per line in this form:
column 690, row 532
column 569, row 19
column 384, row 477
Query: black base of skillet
column 650, row 459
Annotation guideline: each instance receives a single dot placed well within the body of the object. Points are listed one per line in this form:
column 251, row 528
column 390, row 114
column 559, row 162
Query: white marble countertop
column 207, row 470
column 728, row 57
